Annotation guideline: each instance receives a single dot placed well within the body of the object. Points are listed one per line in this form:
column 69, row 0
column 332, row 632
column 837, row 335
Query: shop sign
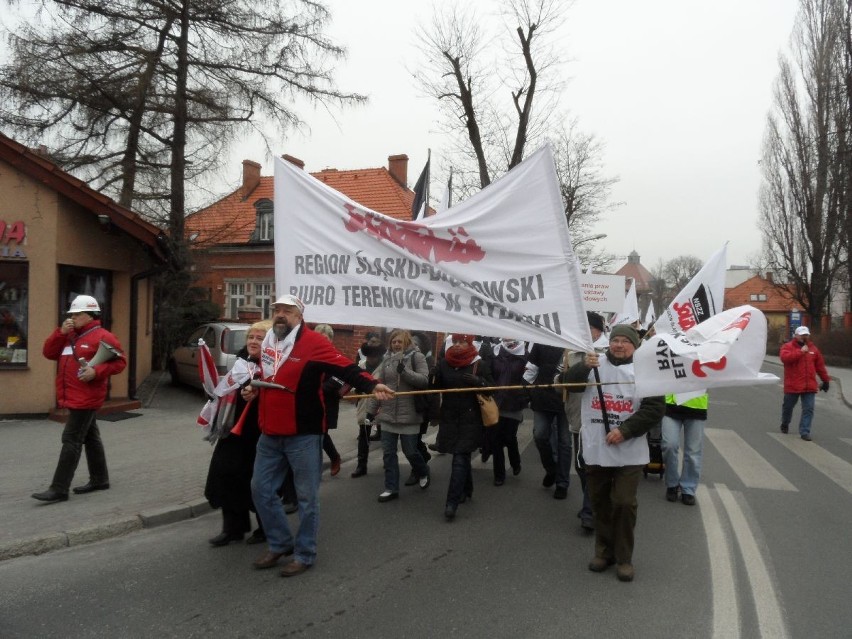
column 12, row 232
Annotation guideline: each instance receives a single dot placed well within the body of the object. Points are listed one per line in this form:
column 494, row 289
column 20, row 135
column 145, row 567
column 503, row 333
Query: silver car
column 224, row 341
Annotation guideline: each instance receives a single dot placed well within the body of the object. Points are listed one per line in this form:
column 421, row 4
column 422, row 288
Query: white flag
column 725, row 350
column 500, row 265
column 650, row 316
column 630, row 310
column 699, row 300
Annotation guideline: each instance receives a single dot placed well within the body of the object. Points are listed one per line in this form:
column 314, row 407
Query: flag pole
column 428, row 180
column 488, row 389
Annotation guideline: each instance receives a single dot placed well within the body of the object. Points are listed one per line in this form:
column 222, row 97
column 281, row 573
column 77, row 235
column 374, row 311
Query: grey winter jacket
column 398, row 415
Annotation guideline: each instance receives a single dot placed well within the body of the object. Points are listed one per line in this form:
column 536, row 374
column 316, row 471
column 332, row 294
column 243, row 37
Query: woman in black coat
column 229, row 478
column 460, row 429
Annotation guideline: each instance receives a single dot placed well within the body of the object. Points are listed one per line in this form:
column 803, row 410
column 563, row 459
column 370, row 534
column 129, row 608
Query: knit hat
column 625, row 330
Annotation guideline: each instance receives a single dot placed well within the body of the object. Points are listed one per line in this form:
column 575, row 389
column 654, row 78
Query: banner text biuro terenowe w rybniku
column 498, row 264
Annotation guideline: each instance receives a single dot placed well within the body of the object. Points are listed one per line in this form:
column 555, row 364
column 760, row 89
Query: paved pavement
column 158, row 464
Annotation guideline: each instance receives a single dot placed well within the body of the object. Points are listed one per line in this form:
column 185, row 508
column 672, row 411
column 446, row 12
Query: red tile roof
column 232, row 219
column 776, row 299
column 43, row 170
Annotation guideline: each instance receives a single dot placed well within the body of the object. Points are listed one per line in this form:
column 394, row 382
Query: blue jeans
column 391, row 460
column 693, row 444
column 275, row 455
column 543, row 424
column 790, row 400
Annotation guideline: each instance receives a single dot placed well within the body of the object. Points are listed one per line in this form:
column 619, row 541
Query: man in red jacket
column 292, row 422
column 802, row 363
column 81, row 389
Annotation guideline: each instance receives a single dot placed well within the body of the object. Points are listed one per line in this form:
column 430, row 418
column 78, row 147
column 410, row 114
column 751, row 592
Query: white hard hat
column 84, row 304
column 290, row 300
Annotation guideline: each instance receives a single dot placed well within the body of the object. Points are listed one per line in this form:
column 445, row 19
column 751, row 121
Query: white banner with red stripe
column 726, row 349
column 499, row 264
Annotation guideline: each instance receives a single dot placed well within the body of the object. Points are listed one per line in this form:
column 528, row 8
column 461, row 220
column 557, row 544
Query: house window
column 758, row 297
column 263, row 231
column 14, row 296
column 236, row 298
column 263, row 297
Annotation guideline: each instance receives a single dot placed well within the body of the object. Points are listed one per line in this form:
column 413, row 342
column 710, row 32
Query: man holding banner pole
column 614, row 421
column 295, row 361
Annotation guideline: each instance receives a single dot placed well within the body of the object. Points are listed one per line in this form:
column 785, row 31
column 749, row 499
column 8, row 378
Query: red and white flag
column 699, row 300
column 726, row 349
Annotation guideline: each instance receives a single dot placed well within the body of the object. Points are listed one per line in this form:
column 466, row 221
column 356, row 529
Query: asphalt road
column 764, row 554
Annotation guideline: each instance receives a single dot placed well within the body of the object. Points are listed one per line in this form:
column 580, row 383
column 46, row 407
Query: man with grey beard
column 291, row 414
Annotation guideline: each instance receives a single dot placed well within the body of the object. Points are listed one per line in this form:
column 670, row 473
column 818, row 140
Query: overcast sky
column 677, row 90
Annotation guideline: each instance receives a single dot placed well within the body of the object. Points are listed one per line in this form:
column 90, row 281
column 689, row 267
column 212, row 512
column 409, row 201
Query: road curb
column 115, row 528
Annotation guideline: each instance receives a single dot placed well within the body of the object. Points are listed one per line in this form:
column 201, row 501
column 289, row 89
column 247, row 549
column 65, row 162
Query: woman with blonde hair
column 403, row 369
column 229, row 478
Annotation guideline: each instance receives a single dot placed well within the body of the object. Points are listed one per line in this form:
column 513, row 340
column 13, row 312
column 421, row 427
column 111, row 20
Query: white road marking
column 836, row 469
column 749, row 465
column 726, row 613
column 770, row 619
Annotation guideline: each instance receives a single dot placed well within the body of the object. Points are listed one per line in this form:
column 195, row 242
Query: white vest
column 620, row 404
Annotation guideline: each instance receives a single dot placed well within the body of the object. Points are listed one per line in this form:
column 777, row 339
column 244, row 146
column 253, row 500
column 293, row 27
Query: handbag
column 489, row 410
column 487, row 406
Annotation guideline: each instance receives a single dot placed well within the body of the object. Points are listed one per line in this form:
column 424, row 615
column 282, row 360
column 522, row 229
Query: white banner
column 630, row 307
column 602, row 293
column 699, row 300
column 500, row 265
column 650, row 316
column 724, row 350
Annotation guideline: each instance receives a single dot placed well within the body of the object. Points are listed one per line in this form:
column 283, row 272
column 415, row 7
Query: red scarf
column 459, row 356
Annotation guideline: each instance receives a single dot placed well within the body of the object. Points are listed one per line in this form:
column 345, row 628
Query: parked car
column 224, row 341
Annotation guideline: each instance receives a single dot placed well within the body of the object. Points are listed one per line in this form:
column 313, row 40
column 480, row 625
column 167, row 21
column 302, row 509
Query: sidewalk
column 158, row 465
column 157, row 462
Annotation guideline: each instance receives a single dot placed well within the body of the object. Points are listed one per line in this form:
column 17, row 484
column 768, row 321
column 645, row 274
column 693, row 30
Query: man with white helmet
column 81, row 388
column 803, row 362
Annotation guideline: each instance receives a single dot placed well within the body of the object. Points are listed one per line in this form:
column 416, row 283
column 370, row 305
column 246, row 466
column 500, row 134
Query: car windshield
column 233, row 340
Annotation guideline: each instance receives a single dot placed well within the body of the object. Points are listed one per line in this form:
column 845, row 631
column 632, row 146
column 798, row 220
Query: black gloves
column 824, row 387
column 471, row 379
column 400, row 367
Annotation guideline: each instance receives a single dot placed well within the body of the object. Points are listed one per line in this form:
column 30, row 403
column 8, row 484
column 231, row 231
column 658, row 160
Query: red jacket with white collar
column 67, row 350
column 801, row 369
column 301, row 410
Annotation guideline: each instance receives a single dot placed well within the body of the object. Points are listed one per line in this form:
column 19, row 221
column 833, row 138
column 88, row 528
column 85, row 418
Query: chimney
column 398, row 168
column 251, row 176
column 769, row 275
column 293, row 160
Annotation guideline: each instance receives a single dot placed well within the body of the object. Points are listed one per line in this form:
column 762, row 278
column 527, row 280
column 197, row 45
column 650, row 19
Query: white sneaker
column 424, row 482
column 388, row 495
